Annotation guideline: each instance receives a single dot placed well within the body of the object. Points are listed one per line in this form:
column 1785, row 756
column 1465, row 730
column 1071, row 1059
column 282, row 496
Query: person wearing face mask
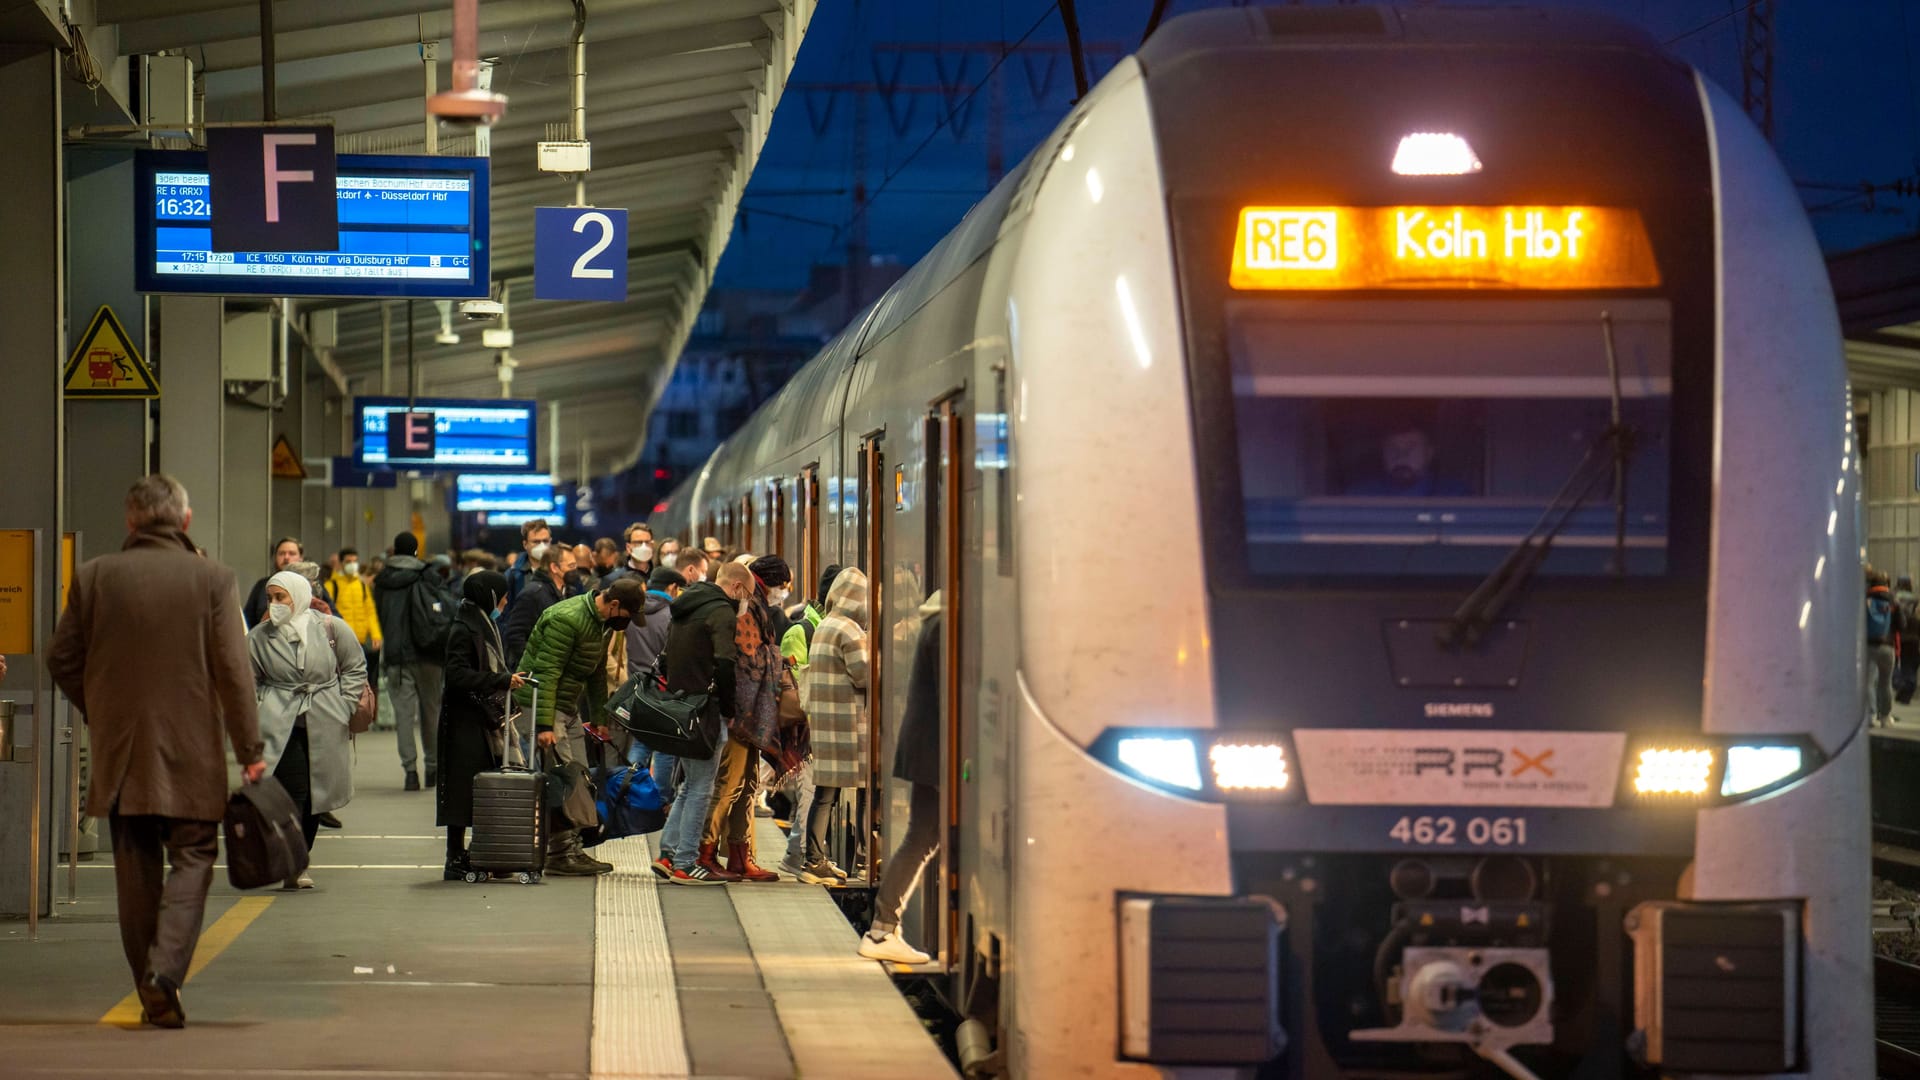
column 606, row 558
column 755, row 727
column 639, row 561
column 693, row 565
column 566, row 657
column 286, row 551
column 353, row 601
column 535, row 538
column 308, row 672
column 699, row 659
column 471, row 738
column 773, row 583
column 669, row 554
column 547, row 587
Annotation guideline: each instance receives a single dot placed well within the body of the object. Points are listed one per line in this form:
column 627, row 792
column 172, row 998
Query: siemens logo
column 1454, row 709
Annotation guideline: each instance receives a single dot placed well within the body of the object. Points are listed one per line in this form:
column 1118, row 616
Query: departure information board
column 468, row 434
column 524, row 493
column 414, row 227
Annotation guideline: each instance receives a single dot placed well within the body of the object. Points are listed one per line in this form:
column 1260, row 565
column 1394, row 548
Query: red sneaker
column 663, row 868
column 696, row 876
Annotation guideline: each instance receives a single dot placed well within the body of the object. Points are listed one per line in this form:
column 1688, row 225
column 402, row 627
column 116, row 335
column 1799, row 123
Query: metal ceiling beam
column 511, row 30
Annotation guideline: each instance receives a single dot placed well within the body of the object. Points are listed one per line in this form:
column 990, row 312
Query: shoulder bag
column 673, row 722
column 367, row 707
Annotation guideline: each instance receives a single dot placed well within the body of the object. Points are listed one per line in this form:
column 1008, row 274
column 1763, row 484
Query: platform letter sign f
column 273, row 189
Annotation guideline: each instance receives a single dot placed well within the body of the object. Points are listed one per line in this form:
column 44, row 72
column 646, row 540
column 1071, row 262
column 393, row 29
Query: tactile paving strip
column 636, row 1008
column 843, row 1017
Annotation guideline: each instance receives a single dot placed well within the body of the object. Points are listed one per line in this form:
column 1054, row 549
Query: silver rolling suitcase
column 509, row 815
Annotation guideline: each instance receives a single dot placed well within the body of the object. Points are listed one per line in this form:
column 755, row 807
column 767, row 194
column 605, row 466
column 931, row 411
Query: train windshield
column 1401, row 438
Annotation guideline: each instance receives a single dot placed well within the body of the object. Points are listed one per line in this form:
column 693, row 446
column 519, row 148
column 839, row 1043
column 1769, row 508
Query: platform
column 385, row 971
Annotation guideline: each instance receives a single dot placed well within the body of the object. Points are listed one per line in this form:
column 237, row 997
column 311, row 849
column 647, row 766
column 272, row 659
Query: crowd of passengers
column 559, row 629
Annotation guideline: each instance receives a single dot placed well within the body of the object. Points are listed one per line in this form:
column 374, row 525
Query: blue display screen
column 409, row 227
column 528, row 493
column 555, row 516
column 470, row 434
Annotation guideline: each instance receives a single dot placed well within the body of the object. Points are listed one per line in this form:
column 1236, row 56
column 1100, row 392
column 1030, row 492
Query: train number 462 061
column 1446, row 831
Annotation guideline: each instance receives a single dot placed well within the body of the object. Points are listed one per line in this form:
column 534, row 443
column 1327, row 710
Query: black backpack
column 430, row 615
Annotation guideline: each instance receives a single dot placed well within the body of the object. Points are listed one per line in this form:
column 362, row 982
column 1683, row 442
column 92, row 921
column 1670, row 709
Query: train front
column 1500, row 715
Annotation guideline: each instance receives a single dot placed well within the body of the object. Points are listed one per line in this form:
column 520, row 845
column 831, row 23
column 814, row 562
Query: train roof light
column 1434, row 153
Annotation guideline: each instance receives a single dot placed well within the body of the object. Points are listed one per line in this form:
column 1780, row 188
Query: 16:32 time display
column 173, row 207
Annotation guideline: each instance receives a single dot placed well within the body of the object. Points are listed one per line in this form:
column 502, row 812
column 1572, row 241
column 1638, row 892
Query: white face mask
column 669, row 559
column 351, row 569
column 537, row 551
column 778, row 597
column 641, row 552
column 697, row 578
column 279, row 613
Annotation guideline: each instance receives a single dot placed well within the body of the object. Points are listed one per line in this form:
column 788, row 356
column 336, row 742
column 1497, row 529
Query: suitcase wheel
column 528, row 878
column 475, row 877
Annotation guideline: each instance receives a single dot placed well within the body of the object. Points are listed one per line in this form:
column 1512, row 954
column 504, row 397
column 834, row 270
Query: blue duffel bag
column 630, row 802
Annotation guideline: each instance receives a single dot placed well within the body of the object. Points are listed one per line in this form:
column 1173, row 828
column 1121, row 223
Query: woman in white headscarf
column 308, row 670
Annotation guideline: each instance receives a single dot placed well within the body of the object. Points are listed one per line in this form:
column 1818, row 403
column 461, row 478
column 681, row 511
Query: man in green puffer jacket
column 567, row 653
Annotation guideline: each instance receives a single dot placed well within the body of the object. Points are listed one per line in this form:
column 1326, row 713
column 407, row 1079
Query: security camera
column 482, row 310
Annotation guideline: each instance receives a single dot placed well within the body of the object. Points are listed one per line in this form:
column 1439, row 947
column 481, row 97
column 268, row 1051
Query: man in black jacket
column 546, row 585
column 415, row 614
column 700, row 655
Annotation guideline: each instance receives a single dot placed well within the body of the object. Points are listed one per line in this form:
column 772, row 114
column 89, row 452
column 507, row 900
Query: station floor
column 385, row 972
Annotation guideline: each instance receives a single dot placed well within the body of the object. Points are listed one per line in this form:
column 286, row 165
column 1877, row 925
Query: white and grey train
column 1403, row 603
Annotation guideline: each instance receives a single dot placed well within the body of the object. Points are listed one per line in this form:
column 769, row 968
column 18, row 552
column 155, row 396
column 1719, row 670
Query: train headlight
column 1678, row 770
column 1249, row 766
column 1166, row 760
column 1758, row 767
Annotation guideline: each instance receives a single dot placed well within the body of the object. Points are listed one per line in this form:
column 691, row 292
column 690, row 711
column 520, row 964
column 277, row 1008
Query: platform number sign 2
column 579, row 253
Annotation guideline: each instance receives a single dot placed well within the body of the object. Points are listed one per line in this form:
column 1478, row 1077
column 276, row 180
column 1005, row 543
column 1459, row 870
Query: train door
column 931, row 655
column 810, row 567
column 745, row 539
column 777, row 529
column 860, row 815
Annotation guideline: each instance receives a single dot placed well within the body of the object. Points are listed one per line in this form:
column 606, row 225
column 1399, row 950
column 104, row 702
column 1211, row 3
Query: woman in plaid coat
column 835, row 697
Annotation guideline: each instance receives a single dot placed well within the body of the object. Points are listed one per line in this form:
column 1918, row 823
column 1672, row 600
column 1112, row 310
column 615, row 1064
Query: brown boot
column 740, row 861
column 712, row 864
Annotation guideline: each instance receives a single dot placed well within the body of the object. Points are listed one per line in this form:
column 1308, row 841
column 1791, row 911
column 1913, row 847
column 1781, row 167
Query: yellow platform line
column 213, row 941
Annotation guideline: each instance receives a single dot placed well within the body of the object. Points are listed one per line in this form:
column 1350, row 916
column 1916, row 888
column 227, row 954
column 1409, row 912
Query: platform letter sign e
column 410, row 437
column 273, row 189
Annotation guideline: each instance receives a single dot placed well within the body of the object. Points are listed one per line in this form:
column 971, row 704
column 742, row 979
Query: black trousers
column 820, row 817
column 373, row 668
column 295, row 773
column 160, row 913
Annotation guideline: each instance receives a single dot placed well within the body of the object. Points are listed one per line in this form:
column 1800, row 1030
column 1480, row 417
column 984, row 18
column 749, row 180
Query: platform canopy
column 680, row 94
column 1878, row 290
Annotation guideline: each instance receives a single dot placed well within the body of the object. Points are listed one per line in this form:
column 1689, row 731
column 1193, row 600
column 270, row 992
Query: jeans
column 1881, row 672
column 415, row 693
column 797, row 823
column 689, row 814
column 160, row 919
column 657, row 764
column 903, row 872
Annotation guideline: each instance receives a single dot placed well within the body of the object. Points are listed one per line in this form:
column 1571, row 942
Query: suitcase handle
column 513, row 735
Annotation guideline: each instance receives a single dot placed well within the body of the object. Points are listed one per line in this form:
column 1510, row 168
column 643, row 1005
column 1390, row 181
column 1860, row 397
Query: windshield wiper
column 1482, row 606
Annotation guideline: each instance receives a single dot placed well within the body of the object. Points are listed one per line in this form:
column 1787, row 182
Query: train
column 1402, row 606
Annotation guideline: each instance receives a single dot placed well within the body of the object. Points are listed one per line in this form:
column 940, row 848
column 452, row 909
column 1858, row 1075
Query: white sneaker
column 891, row 948
column 304, row 881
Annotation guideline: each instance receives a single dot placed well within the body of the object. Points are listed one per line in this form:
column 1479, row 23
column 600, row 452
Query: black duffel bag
column 673, row 722
column 264, row 842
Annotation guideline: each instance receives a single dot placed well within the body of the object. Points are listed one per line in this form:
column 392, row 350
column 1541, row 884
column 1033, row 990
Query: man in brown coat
column 153, row 650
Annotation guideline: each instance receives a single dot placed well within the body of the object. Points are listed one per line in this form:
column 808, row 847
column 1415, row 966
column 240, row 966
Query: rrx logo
column 1470, row 761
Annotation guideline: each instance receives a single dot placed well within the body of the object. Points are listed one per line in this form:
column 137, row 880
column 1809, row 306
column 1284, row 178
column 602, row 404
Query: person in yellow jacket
column 353, row 602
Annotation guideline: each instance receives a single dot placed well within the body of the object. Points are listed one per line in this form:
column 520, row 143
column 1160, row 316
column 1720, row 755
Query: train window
column 1428, row 438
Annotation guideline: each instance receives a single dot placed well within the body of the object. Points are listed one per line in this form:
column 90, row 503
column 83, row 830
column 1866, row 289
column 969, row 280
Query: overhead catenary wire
column 1715, row 21
column 952, row 111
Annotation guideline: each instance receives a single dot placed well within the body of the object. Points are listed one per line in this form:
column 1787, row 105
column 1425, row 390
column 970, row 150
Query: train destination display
column 409, row 227
column 464, row 434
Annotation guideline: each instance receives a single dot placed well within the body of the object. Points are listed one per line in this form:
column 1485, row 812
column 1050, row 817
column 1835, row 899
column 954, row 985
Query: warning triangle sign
column 106, row 365
column 286, row 463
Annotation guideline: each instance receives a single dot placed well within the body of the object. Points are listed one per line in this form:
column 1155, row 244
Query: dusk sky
column 1846, row 107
